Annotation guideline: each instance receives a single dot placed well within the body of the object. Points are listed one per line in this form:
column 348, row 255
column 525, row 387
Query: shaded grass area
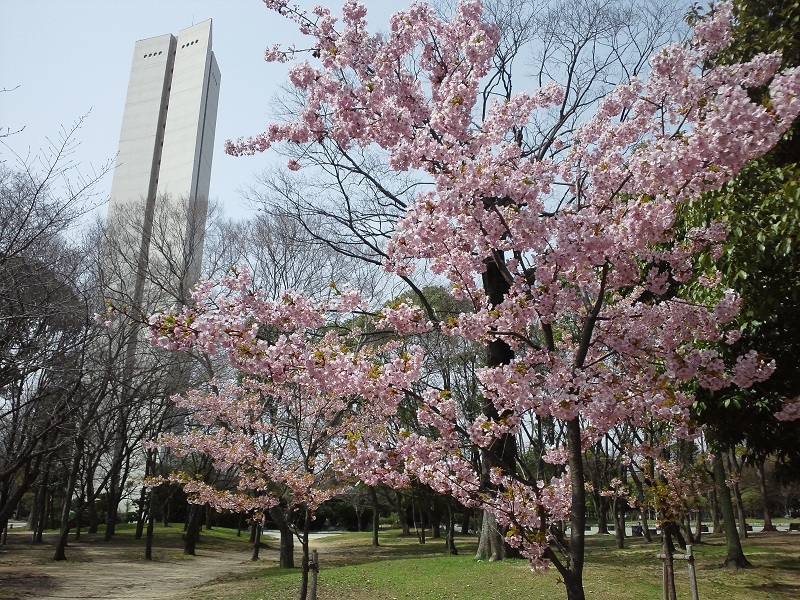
column 167, row 545
column 350, row 568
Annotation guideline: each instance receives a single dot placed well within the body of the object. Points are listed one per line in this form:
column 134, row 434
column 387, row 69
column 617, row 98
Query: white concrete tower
column 166, row 150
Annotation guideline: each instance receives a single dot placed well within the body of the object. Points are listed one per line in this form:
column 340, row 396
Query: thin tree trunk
column 114, row 491
column 698, row 526
column 618, row 507
column 78, row 518
column 402, row 515
column 151, row 518
column 669, row 565
column 762, row 482
column 600, row 508
column 140, row 516
column 713, row 503
column 306, row 561
column 376, row 516
column 72, row 478
column 165, row 516
column 42, row 505
column 255, row 536
column 735, row 469
column 451, row 530
column 642, row 505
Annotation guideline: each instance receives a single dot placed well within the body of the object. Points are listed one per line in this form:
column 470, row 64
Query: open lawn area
column 400, row 568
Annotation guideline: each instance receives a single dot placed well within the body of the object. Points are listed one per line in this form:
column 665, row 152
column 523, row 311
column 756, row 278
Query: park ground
column 351, row 569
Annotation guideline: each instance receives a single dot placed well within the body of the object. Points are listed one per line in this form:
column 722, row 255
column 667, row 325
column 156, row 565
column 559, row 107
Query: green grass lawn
column 350, row 568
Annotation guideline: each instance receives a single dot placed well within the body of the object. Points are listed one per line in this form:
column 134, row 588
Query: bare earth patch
column 109, row 571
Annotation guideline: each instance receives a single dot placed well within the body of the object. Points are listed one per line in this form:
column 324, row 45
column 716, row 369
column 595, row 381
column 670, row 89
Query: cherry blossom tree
column 571, row 259
column 300, row 393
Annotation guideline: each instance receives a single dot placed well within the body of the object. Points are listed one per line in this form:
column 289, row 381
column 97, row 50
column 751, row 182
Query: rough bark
column 490, row 543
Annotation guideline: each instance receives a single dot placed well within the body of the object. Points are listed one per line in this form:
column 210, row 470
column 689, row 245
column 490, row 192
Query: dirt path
column 97, row 570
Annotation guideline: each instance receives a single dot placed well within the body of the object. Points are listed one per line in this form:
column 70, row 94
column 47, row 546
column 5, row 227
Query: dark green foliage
column 761, row 258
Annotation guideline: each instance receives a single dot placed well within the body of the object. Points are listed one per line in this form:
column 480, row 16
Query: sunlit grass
column 402, row 568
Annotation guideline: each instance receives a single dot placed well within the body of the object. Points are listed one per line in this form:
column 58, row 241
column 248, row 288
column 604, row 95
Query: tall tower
column 165, row 151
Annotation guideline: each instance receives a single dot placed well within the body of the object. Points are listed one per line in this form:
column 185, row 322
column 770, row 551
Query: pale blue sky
column 69, row 57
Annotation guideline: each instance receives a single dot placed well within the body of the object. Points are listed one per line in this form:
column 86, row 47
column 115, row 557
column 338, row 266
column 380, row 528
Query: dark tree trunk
column 144, row 512
column 601, row 508
column 735, row 469
column 114, row 497
column 165, row 516
column 42, row 506
column 435, row 518
column 669, row 566
column 421, row 522
column 141, row 514
column 502, row 452
column 306, row 564
column 255, row 537
column 573, row 573
column 762, row 484
column 402, row 515
column 735, row 556
column 466, row 517
column 253, row 530
column 287, row 538
column 642, row 505
column 376, row 516
column 713, row 503
column 78, row 519
column 451, row 531
column 91, row 504
column 618, row 507
column 192, row 534
column 151, row 518
column 698, row 527
column 72, row 478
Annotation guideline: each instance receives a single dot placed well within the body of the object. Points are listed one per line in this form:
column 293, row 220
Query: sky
column 63, row 59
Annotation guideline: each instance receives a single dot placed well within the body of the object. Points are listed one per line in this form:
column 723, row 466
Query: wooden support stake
column 692, row 573
column 669, row 582
column 312, row 594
